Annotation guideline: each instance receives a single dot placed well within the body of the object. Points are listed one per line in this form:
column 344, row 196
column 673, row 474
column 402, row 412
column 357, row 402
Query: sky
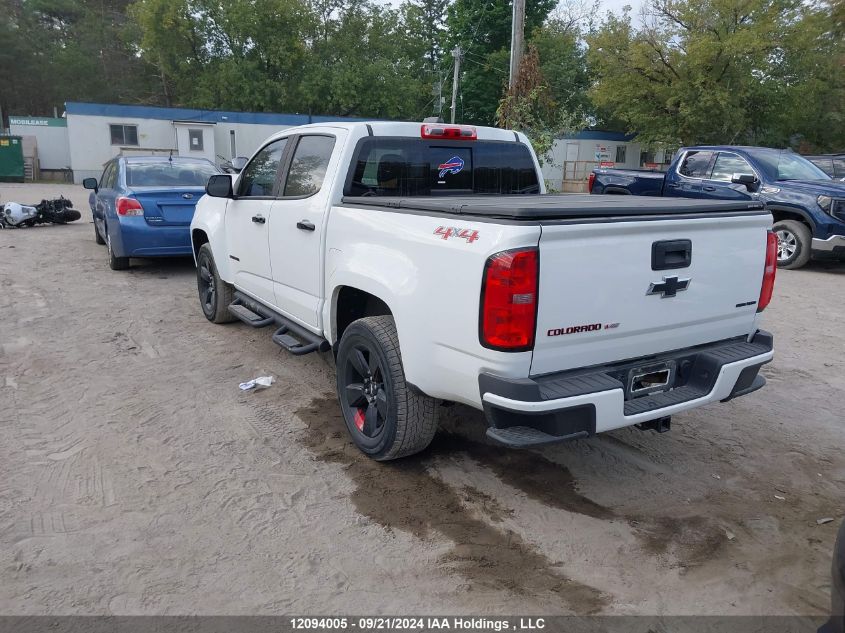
column 616, row 6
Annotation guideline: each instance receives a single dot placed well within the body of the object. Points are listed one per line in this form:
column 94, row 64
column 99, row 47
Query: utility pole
column 517, row 35
column 456, row 54
column 437, row 91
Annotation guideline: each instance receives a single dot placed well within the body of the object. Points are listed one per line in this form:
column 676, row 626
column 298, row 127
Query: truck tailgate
column 603, row 297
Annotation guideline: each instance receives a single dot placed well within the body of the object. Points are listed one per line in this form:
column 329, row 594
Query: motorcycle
column 58, row 211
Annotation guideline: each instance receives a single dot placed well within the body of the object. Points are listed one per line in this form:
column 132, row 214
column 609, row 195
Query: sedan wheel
column 115, row 263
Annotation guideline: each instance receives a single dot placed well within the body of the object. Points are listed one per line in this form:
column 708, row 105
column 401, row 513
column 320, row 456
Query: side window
column 695, row 164
column 259, row 176
column 105, row 176
column 839, row 167
column 729, row 164
column 107, row 181
column 309, row 164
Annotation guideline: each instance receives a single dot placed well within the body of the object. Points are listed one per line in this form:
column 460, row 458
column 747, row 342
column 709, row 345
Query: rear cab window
column 385, row 166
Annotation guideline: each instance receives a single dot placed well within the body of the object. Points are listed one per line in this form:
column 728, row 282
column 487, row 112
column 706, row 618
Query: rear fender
column 431, row 283
column 209, row 218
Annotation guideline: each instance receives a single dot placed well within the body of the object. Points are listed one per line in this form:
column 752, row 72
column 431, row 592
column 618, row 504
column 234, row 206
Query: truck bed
column 554, row 207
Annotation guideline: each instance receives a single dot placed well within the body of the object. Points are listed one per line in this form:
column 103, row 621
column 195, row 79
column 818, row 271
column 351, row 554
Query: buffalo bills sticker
column 452, row 166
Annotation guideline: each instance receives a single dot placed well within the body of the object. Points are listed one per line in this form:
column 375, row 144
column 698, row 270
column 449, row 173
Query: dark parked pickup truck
column 807, row 205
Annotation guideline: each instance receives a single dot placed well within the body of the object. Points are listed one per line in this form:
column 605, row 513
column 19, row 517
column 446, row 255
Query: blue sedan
column 143, row 205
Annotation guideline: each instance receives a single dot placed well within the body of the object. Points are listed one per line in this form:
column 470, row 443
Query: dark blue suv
column 807, row 205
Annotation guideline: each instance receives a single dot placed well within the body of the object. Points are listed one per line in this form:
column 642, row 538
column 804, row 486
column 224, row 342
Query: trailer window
column 123, row 134
column 416, row 167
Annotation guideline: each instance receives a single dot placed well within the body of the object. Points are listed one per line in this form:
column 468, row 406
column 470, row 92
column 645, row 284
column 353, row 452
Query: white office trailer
column 45, row 141
column 573, row 157
column 90, row 134
column 97, row 132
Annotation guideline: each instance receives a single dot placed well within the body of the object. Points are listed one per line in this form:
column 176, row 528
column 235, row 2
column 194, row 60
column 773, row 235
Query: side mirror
column 91, row 183
column 238, row 163
column 749, row 180
column 219, row 186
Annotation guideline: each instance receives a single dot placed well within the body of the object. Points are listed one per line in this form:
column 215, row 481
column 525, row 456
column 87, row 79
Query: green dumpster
column 11, row 159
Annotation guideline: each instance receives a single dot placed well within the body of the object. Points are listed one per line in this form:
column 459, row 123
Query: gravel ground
column 135, row 478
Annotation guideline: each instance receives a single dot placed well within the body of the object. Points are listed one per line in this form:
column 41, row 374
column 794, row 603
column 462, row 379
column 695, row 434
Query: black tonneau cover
column 554, row 206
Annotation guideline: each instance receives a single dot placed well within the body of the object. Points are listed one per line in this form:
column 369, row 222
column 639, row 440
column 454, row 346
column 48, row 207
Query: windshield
column 785, row 165
column 416, row 167
column 169, row 174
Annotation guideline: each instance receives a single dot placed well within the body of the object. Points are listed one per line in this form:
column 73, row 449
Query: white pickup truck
column 429, row 260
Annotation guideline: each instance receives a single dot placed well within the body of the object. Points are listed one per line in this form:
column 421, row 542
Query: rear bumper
column 136, row 238
column 580, row 403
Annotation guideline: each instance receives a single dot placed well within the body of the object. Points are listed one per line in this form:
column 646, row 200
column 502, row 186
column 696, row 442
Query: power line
column 478, row 25
column 487, row 66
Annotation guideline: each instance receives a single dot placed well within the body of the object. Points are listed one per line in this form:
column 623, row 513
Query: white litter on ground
column 262, row 382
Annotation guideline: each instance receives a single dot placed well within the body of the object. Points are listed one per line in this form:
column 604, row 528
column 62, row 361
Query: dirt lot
column 136, row 478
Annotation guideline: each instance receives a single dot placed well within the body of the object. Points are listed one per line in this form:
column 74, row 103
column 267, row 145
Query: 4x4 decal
column 470, row 235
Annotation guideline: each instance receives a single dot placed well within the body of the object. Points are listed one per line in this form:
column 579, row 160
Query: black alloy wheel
column 365, row 395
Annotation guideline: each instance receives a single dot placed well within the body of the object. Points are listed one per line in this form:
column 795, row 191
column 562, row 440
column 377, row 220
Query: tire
column 215, row 295
column 386, row 418
column 115, row 263
column 794, row 243
column 70, row 215
column 97, row 237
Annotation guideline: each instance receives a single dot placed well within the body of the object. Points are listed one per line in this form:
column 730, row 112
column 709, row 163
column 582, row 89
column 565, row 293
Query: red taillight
column 509, row 300
column 128, row 206
column 591, row 180
column 769, row 271
column 455, row 132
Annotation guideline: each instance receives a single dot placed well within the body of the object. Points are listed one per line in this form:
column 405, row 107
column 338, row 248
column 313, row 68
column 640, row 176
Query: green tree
column 530, row 107
column 563, row 65
column 228, row 53
column 483, row 29
column 58, row 50
column 719, row 71
column 425, row 29
column 360, row 66
column 341, row 57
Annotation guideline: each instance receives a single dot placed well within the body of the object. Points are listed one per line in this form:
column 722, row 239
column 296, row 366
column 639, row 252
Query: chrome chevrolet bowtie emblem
column 669, row 287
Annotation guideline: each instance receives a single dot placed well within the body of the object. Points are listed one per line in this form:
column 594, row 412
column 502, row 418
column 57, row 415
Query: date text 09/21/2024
column 418, row 623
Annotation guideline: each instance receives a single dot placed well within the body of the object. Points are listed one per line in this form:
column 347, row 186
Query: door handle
column 258, row 219
column 709, row 188
column 673, row 185
column 305, row 225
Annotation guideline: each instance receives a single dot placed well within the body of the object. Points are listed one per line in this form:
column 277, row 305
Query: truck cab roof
column 409, row 129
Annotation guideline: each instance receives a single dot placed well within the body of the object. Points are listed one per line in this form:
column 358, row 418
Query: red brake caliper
column 359, row 419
